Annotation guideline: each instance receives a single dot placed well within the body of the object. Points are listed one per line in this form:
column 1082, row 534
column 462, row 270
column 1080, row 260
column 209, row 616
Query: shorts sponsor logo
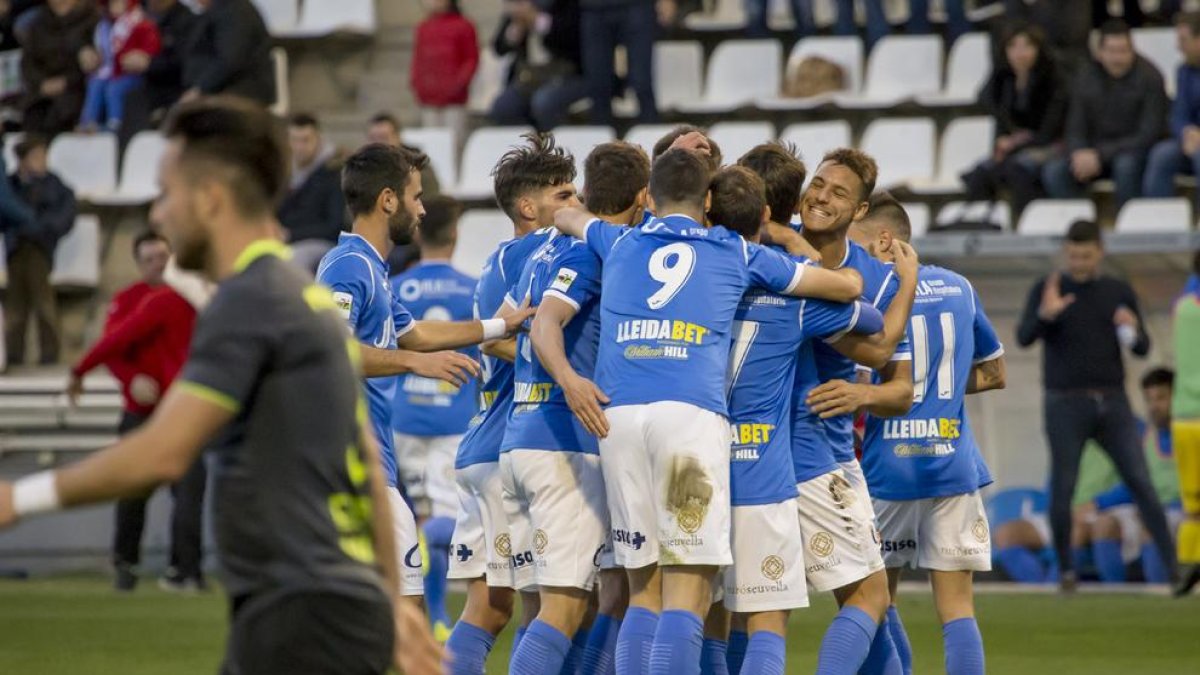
column 980, row 530
column 773, row 567
column 821, row 544
column 540, row 540
column 463, row 553
column 412, row 559
column 521, row 559
column 596, row 556
column 890, row 546
column 633, row 540
column 964, row 551
column 503, row 545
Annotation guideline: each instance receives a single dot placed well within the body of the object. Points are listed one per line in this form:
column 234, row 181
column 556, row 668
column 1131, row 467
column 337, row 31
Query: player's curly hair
column 860, row 164
column 781, row 169
column 537, row 164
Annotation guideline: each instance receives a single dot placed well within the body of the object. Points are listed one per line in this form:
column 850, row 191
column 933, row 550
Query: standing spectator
column 313, row 211
column 1118, row 110
column 31, row 251
column 1185, row 424
column 144, row 345
column 50, row 65
column 162, row 73
column 877, row 23
column 546, row 77
column 124, row 33
column 633, row 23
column 230, row 53
column 1029, row 103
column 445, row 56
column 1085, row 318
column 1181, row 152
column 385, row 128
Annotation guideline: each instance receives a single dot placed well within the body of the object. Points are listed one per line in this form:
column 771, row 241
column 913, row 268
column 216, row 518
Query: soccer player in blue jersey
column 382, row 186
column 923, row 468
column 429, row 416
column 670, row 290
column 532, row 182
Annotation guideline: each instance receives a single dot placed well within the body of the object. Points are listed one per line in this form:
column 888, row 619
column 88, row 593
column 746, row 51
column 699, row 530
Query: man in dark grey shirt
column 272, row 385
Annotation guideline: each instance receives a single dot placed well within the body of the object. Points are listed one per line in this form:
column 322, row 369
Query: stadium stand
column 479, row 155
column 736, row 138
column 967, row 71
column 1052, row 217
column 1140, row 216
column 903, row 147
column 845, row 51
column 480, row 231
column 139, row 169
column 438, row 144
column 739, row 73
column 85, row 162
column 900, row 68
column 678, row 73
column 76, row 266
column 965, row 141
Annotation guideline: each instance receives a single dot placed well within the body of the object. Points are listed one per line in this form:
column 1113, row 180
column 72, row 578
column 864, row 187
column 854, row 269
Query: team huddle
column 664, row 460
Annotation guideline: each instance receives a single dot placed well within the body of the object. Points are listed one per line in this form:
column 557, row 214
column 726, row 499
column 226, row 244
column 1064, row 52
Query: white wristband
column 35, row 494
column 494, row 329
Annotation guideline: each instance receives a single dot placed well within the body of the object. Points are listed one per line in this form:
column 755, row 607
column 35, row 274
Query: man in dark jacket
column 53, row 81
column 30, row 245
column 546, row 77
column 1181, row 152
column 230, row 53
column 1118, row 110
column 313, row 211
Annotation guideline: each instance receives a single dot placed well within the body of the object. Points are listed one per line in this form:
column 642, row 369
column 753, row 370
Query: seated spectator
column 15, row 16
column 51, row 72
column 445, row 56
column 877, row 22
column 1068, row 25
column 230, row 53
column 313, row 211
column 163, row 73
column 1181, row 152
column 1117, row 111
column 30, row 248
column 634, row 24
column 1029, row 104
column 124, row 33
column 546, row 77
column 385, row 128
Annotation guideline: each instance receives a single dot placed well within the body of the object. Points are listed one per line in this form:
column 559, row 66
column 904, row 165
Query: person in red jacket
column 126, row 40
column 144, row 345
column 445, row 56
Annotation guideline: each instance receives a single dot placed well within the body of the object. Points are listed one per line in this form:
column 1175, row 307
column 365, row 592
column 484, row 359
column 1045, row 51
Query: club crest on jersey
column 564, row 279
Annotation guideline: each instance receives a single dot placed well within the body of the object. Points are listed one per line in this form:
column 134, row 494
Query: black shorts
column 310, row 633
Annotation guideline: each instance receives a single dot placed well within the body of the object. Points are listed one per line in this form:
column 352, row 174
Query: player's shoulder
column 861, row 259
column 347, row 261
column 942, row 274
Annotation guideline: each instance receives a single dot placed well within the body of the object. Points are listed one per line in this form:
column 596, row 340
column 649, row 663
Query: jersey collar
column 345, row 237
column 258, row 249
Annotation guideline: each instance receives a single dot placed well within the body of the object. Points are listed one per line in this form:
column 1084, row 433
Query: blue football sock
column 677, row 644
column 470, row 646
column 964, row 647
column 543, row 650
column 735, row 653
column 900, row 639
column 882, row 659
column 599, row 656
column 713, row 655
column 1153, row 567
column 846, row 642
column 1109, row 564
column 438, row 532
column 517, row 637
column 766, row 654
column 575, row 654
column 1082, row 558
column 1021, row 565
column 635, row 641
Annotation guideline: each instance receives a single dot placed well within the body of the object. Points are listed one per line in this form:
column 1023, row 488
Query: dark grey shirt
column 290, row 495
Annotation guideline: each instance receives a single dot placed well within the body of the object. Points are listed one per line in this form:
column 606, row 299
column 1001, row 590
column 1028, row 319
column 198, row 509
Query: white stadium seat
column 1159, row 46
column 438, row 144
column 678, row 73
column 900, row 67
column 579, row 141
column 139, row 171
column 1052, row 217
column 1140, row 216
column 479, row 155
column 725, row 15
column 281, row 16
column 739, row 73
column 997, row 213
column 480, row 231
column 737, row 138
column 966, row 141
column 77, row 258
column 283, row 90
column 903, row 148
column 326, row 17
column 10, row 150
column 814, row 139
column 845, row 51
column 969, row 67
column 646, row 135
column 86, row 162
column 918, row 218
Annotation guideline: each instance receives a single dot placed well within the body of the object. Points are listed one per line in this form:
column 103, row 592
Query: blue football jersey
column 563, row 268
column 671, row 288
column 500, row 274
column 358, row 276
column 930, row 452
column 768, row 331
column 424, row 406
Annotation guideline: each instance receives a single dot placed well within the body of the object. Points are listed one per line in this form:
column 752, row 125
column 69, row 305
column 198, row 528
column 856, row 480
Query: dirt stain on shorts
column 689, row 493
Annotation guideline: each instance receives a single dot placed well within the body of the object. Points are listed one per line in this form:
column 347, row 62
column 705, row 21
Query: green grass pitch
column 78, row 625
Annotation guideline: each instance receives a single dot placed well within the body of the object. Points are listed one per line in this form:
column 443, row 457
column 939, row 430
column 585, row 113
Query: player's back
column 434, row 290
column 931, row 452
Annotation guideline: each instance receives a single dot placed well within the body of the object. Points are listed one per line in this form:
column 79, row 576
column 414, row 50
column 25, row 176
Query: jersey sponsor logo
column 937, row 288
column 427, row 386
column 752, row 433
column 411, row 290
column 821, row 544
column 759, row 298
column 344, row 303
column 664, row 330
column 633, row 540
column 892, row 546
column 635, row 352
column 773, row 567
column 934, row 429
column 532, row 392
column 564, row 279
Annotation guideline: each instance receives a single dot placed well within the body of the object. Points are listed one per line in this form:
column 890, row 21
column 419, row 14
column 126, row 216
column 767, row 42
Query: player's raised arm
column 844, row 285
column 583, row 396
column 573, row 221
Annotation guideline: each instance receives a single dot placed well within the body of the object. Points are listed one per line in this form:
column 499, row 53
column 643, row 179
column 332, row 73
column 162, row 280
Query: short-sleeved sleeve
column 574, row 277
column 351, row 279
column 600, row 236
column 229, row 349
column 772, row 270
column 987, row 343
column 883, row 300
column 830, row 321
column 402, row 319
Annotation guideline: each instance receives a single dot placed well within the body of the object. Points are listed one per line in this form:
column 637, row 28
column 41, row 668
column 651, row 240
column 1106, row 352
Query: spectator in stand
column 144, row 345
column 385, row 128
column 230, row 53
column 313, row 211
column 1068, row 25
column 445, row 56
column 1181, row 152
column 15, row 16
column 162, row 73
column 1131, row 12
column 31, row 251
column 546, row 77
column 633, row 23
column 1029, row 104
column 877, row 23
column 124, row 34
column 1118, row 110
column 51, row 71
